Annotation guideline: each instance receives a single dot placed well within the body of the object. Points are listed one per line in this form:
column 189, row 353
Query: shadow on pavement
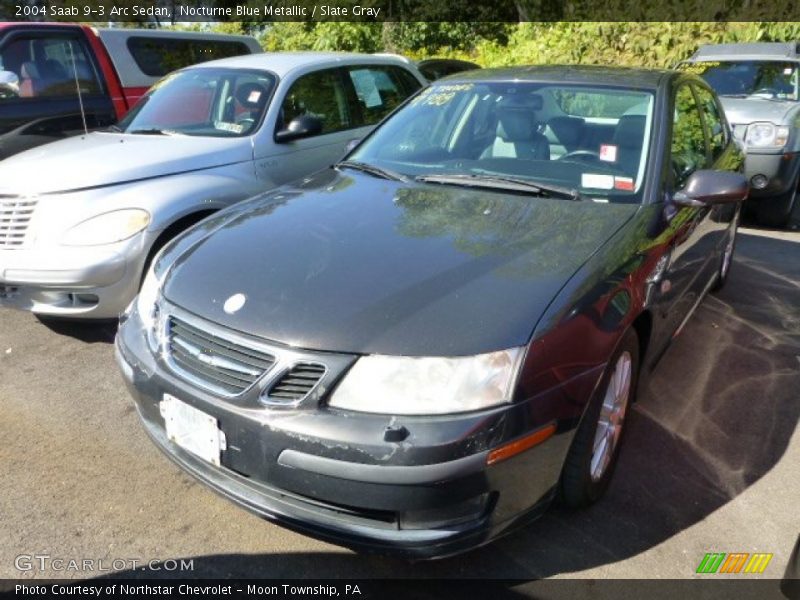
column 715, row 416
column 90, row 332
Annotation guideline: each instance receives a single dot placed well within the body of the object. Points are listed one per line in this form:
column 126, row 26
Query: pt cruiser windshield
column 202, row 102
column 552, row 140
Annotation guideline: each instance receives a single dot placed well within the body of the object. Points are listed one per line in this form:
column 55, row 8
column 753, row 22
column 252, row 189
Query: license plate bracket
column 192, row 429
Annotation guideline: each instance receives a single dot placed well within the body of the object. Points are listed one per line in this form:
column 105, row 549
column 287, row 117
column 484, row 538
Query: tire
column 776, row 212
column 725, row 261
column 590, row 461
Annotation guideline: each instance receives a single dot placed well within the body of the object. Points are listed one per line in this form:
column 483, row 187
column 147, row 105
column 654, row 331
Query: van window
column 157, row 56
column 48, row 67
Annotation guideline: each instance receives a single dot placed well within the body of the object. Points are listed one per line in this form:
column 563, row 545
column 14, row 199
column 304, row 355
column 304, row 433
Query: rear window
column 158, row 56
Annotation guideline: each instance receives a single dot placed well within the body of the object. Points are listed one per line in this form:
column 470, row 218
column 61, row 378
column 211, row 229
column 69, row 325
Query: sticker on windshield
column 254, row 97
column 608, row 152
column 440, row 94
column 232, row 127
column 623, row 183
column 597, row 181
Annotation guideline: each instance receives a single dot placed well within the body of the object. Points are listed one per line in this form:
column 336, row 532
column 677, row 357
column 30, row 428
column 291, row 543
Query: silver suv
column 760, row 92
column 80, row 219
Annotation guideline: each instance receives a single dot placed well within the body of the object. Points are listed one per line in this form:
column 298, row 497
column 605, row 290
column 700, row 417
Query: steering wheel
column 246, row 123
column 583, row 155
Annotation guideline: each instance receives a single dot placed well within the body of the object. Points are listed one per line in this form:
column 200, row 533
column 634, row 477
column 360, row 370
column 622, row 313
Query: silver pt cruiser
column 81, row 219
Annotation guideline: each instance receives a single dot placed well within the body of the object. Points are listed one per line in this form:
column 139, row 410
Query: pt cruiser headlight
column 766, row 135
column 108, row 228
column 404, row 385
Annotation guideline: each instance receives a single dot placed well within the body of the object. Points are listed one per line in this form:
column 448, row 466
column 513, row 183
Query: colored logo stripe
column 714, row 562
column 711, row 562
column 734, row 562
column 758, row 562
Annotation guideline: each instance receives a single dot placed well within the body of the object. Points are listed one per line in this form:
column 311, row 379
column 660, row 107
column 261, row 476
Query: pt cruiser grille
column 15, row 216
column 215, row 362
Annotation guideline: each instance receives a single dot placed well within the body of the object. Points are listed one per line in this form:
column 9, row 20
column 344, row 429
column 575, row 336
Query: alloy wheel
column 612, row 415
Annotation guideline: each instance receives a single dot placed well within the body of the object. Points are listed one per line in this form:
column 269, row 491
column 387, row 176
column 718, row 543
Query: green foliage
column 627, row 43
column 653, row 44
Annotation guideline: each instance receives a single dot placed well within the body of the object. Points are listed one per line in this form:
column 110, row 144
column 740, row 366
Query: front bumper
column 77, row 282
column 330, row 474
column 780, row 170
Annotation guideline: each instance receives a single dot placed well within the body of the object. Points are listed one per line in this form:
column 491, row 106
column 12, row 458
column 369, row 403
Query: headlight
column 766, row 135
column 404, row 385
column 107, row 228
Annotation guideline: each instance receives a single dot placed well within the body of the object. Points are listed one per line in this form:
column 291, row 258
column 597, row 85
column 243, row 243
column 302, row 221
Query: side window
column 688, row 139
column 717, row 134
column 48, row 66
column 380, row 89
column 157, row 56
column 322, row 95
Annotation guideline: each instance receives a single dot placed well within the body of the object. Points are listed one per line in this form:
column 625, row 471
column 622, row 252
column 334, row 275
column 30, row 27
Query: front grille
column 218, row 363
column 15, row 216
column 297, row 382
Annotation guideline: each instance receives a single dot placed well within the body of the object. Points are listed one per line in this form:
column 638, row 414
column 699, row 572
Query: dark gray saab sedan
column 417, row 349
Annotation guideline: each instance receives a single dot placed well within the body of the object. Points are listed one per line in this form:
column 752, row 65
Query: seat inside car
column 517, row 133
column 629, row 138
column 30, row 82
column 567, row 134
column 250, row 101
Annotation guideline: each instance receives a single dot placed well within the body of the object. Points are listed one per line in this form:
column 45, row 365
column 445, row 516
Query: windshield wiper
column 154, row 131
column 114, row 129
column 503, row 182
column 371, row 169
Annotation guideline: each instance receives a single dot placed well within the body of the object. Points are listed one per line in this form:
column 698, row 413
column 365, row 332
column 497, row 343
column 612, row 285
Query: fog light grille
column 297, row 383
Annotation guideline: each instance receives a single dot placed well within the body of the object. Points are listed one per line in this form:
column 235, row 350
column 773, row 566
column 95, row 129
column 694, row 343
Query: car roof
column 577, row 74
column 748, row 51
column 282, row 63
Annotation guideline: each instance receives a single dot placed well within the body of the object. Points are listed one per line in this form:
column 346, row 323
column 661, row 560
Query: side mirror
column 712, row 187
column 299, row 127
column 9, row 84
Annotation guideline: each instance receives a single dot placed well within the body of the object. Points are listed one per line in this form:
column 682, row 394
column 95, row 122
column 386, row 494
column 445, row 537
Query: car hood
column 749, row 110
column 353, row 263
column 101, row 159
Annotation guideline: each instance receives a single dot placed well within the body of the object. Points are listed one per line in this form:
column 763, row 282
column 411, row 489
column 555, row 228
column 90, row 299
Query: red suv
column 44, row 66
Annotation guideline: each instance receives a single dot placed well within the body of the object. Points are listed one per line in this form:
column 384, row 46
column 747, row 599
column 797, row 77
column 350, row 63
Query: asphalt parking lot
column 711, row 463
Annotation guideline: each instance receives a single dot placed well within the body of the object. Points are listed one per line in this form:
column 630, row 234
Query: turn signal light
column 520, row 445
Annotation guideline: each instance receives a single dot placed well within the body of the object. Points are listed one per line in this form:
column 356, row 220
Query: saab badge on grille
column 234, row 303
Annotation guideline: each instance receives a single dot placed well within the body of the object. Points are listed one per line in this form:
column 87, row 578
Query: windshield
column 202, row 102
column 561, row 137
column 773, row 79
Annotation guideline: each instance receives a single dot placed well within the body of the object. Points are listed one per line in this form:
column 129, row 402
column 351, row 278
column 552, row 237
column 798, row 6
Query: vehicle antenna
column 78, row 88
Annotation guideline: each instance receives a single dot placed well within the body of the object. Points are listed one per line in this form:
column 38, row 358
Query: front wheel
column 591, row 458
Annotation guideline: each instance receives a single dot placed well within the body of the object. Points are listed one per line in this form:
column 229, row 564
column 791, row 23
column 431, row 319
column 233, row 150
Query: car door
column 349, row 101
column 46, row 107
column 322, row 94
column 692, row 231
